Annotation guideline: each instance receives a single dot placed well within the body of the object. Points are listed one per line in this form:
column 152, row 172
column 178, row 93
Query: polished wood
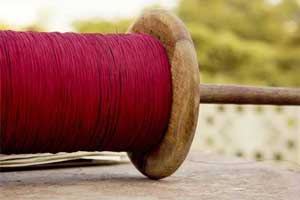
column 163, row 160
column 238, row 94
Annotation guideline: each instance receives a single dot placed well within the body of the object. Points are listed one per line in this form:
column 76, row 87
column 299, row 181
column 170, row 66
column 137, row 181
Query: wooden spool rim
column 166, row 157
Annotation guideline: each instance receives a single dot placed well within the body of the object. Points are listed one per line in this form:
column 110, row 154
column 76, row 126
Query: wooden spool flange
column 166, row 157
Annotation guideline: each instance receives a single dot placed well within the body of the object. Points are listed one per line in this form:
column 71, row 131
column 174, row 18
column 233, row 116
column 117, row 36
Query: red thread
column 69, row 92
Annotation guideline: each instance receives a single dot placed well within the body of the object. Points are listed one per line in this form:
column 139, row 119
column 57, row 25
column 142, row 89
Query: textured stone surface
column 201, row 177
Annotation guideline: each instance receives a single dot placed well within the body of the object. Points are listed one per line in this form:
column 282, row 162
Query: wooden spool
column 164, row 159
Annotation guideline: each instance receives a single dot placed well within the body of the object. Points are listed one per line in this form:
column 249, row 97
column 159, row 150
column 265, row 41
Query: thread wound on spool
column 70, row 92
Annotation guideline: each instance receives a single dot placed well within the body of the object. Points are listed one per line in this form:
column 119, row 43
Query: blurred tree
column 102, row 26
column 3, row 26
column 30, row 27
column 251, row 42
column 255, row 20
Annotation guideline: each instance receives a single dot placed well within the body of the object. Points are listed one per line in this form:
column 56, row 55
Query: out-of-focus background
column 253, row 42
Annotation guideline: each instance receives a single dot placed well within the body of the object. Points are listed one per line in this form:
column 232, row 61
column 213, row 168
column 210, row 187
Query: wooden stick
column 235, row 94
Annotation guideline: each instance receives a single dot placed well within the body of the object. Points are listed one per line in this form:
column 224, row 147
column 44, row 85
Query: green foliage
column 3, row 26
column 226, row 58
column 102, row 26
column 254, row 20
column 31, row 27
column 248, row 42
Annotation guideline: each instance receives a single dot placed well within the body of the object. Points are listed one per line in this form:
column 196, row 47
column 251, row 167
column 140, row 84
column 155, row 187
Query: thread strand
column 70, row 92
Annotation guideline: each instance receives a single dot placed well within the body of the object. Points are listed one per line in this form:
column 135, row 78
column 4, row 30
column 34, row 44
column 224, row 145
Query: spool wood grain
column 242, row 94
column 165, row 158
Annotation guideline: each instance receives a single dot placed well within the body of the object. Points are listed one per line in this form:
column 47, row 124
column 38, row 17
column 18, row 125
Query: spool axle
column 236, row 94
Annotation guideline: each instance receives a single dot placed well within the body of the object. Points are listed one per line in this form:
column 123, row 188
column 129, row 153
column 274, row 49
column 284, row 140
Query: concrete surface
column 201, row 177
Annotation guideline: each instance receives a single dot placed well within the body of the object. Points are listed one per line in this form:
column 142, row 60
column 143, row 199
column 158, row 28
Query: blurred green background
column 244, row 42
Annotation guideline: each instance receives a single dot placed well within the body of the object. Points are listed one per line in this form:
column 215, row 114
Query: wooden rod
column 236, row 94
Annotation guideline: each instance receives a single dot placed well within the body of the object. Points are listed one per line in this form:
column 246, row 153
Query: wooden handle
column 235, row 94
